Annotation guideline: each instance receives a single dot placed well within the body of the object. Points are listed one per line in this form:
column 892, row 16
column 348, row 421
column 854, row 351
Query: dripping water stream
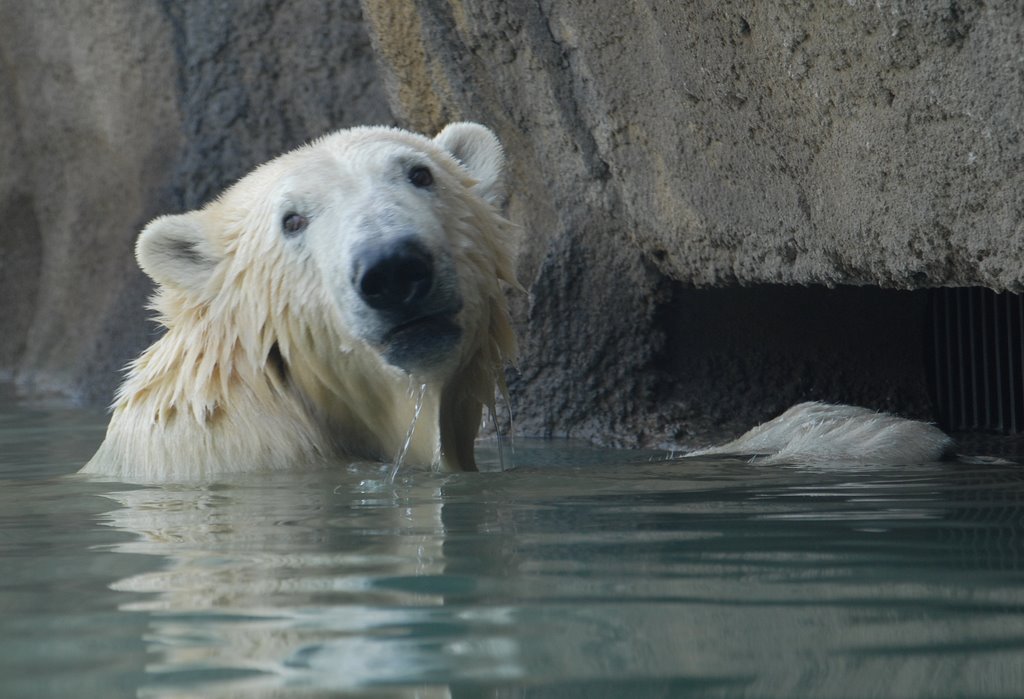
column 502, row 440
column 408, row 435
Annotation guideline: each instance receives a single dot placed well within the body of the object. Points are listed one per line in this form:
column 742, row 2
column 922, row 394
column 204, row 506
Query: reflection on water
column 579, row 573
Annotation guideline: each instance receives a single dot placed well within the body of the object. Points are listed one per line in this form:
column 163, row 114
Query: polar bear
column 350, row 290
column 306, row 306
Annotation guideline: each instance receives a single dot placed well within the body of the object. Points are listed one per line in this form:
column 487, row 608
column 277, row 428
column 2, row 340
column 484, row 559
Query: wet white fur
column 206, row 399
column 820, row 433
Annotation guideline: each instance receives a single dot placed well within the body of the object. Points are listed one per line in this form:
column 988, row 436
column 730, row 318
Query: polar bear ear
column 479, row 151
column 176, row 252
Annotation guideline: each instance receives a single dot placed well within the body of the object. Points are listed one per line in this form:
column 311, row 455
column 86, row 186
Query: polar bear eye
column 420, row 176
column 294, row 223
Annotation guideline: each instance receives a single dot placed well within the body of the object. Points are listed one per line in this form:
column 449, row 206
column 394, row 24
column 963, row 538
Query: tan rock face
column 791, row 143
column 88, row 130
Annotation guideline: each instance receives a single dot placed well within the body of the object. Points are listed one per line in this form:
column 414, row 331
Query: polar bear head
column 331, row 278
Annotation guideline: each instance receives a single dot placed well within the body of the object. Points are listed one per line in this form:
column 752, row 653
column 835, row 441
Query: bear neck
column 207, row 399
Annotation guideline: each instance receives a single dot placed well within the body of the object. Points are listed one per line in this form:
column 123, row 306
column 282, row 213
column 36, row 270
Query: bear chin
column 422, row 345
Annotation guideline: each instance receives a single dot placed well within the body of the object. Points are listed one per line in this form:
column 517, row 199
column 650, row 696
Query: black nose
column 395, row 275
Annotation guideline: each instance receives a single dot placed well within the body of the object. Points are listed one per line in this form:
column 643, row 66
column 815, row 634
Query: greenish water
column 580, row 573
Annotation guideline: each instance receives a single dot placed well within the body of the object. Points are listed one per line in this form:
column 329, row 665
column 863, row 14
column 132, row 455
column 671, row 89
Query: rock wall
column 768, row 151
column 660, row 145
column 738, row 142
column 88, row 125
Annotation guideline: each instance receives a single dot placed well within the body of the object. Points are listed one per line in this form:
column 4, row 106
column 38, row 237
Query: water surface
column 579, row 573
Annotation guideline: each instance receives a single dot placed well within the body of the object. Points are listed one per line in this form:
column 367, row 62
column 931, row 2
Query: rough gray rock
column 88, row 129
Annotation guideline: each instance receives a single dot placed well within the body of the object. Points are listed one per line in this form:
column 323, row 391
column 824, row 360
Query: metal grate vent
column 976, row 367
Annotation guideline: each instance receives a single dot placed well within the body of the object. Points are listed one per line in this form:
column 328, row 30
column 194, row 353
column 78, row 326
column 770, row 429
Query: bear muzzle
column 410, row 303
column 394, row 276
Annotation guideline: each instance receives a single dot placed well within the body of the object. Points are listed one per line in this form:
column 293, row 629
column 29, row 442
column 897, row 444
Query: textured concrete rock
column 89, row 128
column 662, row 145
column 116, row 111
